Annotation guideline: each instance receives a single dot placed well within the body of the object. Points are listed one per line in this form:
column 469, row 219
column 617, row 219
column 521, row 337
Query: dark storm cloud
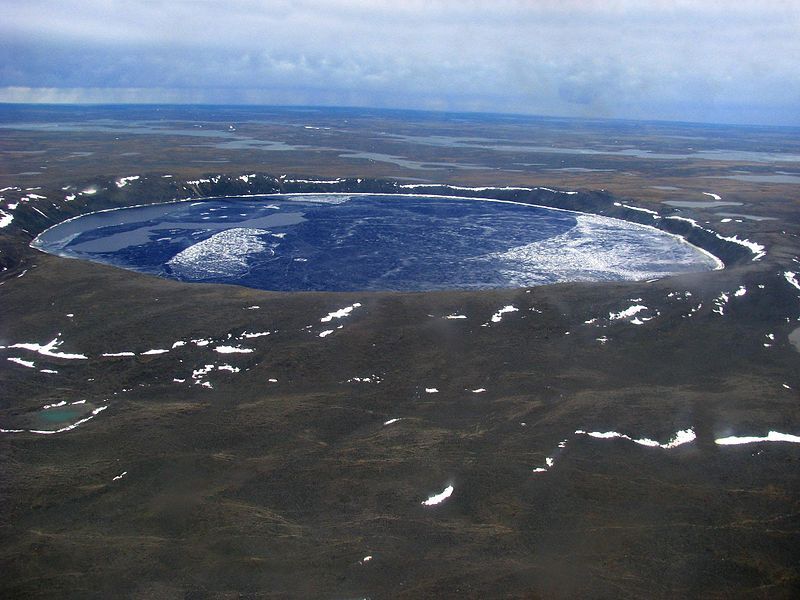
column 682, row 60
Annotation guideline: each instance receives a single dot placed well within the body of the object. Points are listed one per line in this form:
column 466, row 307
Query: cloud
column 612, row 58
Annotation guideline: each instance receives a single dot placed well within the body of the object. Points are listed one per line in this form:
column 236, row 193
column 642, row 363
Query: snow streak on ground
column 49, row 349
column 123, row 181
column 758, row 250
column 680, row 438
column 653, row 213
column 628, row 313
column 440, row 497
column 792, row 279
column 341, row 313
column 772, row 436
column 25, row 363
column 232, row 350
column 498, row 316
column 336, row 314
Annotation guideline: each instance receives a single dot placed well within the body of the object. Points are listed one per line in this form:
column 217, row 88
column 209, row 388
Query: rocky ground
column 225, row 446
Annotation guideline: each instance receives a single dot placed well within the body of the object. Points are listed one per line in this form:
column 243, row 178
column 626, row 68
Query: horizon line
column 518, row 115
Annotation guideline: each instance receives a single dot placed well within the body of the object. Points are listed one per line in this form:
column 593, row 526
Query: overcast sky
column 736, row 61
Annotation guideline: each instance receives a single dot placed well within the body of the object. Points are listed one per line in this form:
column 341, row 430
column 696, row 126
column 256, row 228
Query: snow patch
column 325, row 181
column 248, row 335
column 680, row 438
column 498, row 316
column 411, row 186
column 341, row 313
column 757, row 249
column 25, row 363
column 654, row 214
column 55, row 405
column 48, row 349
column 370, row 379
column 123, row 181
column 772, row 436
column 439, row 498
column 627, row 313
column 232, row 350
column 5, row 218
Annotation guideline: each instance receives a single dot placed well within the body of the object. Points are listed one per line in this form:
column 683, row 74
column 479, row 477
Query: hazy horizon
column 421, row 111
column 676, row 60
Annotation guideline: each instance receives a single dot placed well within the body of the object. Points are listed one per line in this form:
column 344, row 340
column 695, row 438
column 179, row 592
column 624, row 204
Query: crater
column 375, row 242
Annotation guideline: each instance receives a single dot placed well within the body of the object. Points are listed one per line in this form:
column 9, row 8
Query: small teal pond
column 61, row 415
column 349, row 242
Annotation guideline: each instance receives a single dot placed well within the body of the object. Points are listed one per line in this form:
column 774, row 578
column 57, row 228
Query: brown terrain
column 303, row 467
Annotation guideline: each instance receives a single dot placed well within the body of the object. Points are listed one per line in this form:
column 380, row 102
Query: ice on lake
column 348, row 242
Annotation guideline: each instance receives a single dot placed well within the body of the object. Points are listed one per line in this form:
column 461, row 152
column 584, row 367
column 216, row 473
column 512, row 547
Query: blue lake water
column 347, row 242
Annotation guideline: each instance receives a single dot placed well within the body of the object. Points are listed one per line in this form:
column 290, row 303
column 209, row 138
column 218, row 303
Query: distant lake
column 339, row 242
column 776, row 178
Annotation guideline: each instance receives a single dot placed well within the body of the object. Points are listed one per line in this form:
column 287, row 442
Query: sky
column 732, row 61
